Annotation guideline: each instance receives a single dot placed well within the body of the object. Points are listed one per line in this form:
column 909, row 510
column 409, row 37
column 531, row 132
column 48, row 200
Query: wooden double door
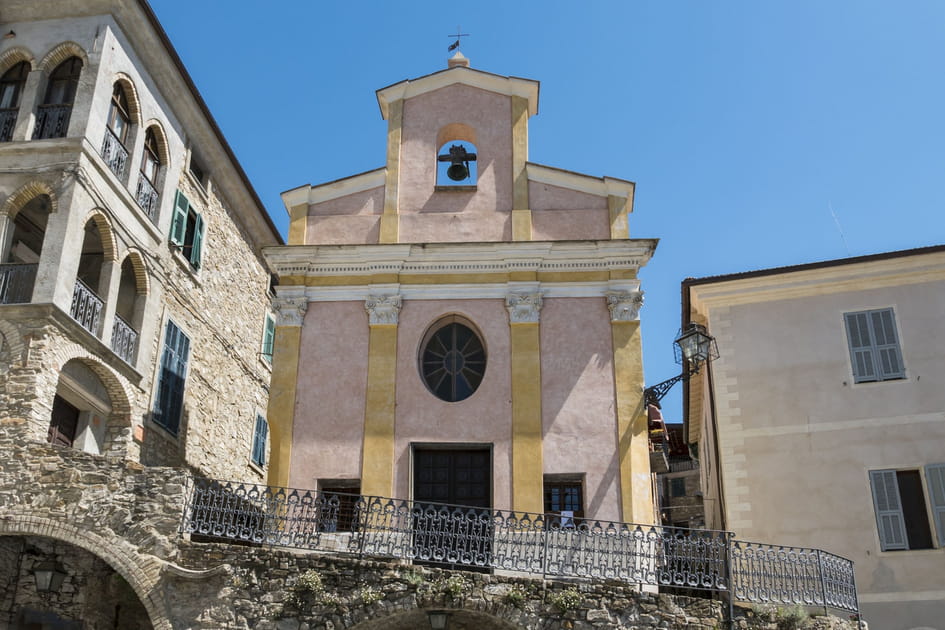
column 460, row 533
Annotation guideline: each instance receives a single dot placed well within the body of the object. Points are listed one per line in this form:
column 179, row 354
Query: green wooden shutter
column 179, row 221
column 259, row 441
column 935, row 478
column 889, row 360
column 889, row 518
column 170, row 398
column 269, row 337
column 861, row 347
column 198, row 242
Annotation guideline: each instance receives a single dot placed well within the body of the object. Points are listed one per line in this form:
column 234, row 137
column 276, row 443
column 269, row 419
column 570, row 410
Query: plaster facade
column 537, row 261
column 786, row 433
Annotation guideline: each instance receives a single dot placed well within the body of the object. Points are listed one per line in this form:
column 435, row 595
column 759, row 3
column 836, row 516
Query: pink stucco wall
column 483, row 215
column 560, row 214
column 329, row 407
column 483, row 418
column 352, row 219
column 578, row 414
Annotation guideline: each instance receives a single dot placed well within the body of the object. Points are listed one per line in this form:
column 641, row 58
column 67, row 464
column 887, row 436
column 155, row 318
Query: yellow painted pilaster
column 377, row 464
column 281, row 412
column 636, row 494
column 390, row 220
column 521, row 214
column 619, row 206
column 298, row 224
column 527, row 467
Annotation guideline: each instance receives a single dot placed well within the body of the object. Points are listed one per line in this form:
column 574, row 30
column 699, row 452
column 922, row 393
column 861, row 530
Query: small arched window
column 118, row 118
column 52, row 120
column 452, row 360
column 147, row 193
column 11, row 88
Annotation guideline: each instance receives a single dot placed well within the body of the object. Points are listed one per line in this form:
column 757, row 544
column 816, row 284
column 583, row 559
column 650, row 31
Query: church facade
column 461, row 325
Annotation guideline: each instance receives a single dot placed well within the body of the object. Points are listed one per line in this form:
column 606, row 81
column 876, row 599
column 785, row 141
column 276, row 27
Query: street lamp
column 49, row 576
column 438, row 619
column 693, row 347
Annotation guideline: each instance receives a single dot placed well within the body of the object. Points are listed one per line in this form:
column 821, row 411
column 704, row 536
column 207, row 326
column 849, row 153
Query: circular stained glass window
column 453, row 361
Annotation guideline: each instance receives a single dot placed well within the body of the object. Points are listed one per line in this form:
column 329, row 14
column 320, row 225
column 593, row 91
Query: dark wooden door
column 65, row 419
column 453, row 536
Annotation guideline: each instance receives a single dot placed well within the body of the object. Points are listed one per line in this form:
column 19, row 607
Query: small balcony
column 86, row 307
column 124, row 340
column 147, row 197
column 115, row 154
column 7, row 122
column 52, row 121
column 16, row 282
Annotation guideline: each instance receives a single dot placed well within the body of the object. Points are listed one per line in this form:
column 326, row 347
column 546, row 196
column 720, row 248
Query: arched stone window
column 81, row 410
column 129, row 310
column 114, row 150
column 152, row 169
column 52, row 117
column 457, row 156
column 11, row 89
column 452, row 359
column 23, row 246
column 87, row 305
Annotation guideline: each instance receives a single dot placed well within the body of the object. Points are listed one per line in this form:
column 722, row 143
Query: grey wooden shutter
column 935, row 478
column 889, row 359
column 889, row 519
column 861, row 347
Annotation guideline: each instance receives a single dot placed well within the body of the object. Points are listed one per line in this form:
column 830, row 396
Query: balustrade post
column 729, row 560
column 823, row 580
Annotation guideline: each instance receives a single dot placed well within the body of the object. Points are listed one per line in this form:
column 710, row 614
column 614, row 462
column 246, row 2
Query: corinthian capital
column 383, row 309
column 523, row 307
column 290, row 310
column 624, row 305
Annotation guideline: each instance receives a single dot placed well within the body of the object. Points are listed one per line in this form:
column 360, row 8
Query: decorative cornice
column 523, row 307
column 624, row 305
column 290, row 310
column 602, row 186
column 383, row 310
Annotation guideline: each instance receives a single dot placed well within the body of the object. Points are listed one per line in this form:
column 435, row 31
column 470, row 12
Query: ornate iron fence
column 86, row 307
column 16, row 282
column 124, row 340
column 541, row 544
column 147, row 197
column 114, row 153
column 8, row 117
column 52, row 121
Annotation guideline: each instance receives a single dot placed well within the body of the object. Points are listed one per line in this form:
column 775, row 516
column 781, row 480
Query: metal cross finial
column 458, row 35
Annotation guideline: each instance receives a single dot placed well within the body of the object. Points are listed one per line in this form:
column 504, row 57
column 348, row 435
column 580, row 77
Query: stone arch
column 105, row 232
column 60, row 53
column 26, row 193
column 455, row 131
column 131, row 93
column 141, row 572
column 164, row 152
column 141, row 271
column 15, row 55
column 10, row 335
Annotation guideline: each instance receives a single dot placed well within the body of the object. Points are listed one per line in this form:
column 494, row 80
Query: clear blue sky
column 742, row 122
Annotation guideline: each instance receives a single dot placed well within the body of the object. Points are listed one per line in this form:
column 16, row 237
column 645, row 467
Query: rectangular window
column 874, row 346
column 187, row 230
column 565, row 499
column 339, row 505
column 173, row 372
column 901, row 510
column 677, row 487
column 269, row 337
column 259, row 441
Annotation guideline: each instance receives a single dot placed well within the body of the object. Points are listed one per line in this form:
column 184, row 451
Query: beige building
column 462, row 325
column 822, row 425
column 133, row 296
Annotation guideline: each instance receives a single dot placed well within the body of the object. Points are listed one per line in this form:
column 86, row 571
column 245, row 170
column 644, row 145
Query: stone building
column 134, row 300
column 461, row 325
column 821, row 424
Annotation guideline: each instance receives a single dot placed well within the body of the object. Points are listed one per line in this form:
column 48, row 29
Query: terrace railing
column 16, row 282
column 114, row 153
column 52, row 121
column 86, row 307
column 8, row 117
column 124, row 340
column 541, row 544
column 147, row 197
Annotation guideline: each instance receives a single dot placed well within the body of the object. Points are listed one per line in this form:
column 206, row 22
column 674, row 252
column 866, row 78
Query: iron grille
column 114, row 153
column 16, row 282
column 7, row 123
column 124, row 340
column 52, row 121
column 86, row 307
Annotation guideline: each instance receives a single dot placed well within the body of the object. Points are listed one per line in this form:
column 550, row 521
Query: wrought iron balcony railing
column 541, row 544
column 16, row 282
column 52, row 121
column 7, row 123
column 86, row 307
column 114, row 153
column 124, row 340
column 147, row 197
